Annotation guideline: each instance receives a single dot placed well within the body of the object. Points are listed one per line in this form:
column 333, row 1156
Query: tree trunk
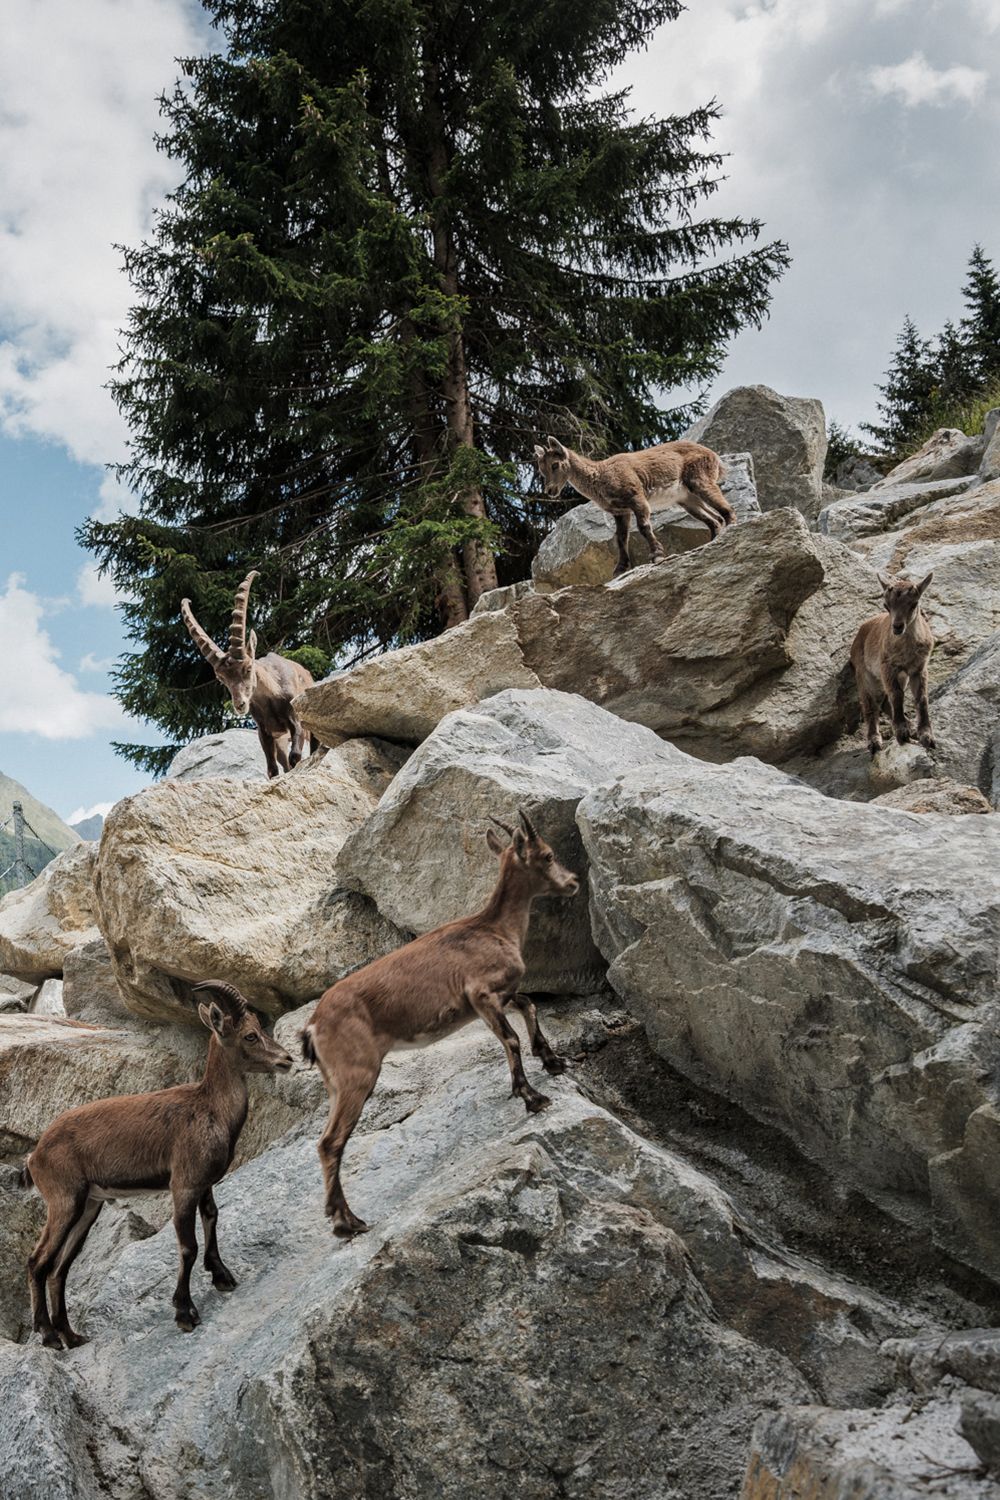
column 478, row 565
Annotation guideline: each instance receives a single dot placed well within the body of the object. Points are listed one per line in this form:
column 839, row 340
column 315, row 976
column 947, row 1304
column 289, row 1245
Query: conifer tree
column 981, row 325
column 409, row 236
column 908, row 395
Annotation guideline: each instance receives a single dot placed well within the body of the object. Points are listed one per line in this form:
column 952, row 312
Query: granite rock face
column 831, row 967
column 233, row 753
column 786, row 436
column 233, row 879
column 43, row 922
column 540, row 750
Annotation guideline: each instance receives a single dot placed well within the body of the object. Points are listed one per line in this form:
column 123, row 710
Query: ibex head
column 534, row 855
column 235, row 1027
column 236, row 668
column 902, row 597
column 553, row 465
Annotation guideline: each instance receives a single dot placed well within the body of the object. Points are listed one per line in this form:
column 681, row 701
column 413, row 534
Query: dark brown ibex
column 888, row 648
column 181, row 1138
column 264, row 689
column 685, row 473
column 428, row 989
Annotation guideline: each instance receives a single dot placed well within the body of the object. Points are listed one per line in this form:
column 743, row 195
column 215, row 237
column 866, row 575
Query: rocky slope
column 750, row 1247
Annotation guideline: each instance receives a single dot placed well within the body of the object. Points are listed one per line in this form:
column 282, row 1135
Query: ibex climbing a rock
column 685, row 473
column 181, row 1138
column 264, row 689
column 430, row 988
column 888, row 648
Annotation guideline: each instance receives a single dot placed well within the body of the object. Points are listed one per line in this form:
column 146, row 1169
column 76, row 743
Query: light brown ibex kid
column 889, row 648
column 181, row 1138
column 625, row 484
column 430, row 988
column 264, row 688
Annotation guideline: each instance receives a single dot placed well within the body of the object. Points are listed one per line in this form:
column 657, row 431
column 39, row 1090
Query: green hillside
column 53, row 835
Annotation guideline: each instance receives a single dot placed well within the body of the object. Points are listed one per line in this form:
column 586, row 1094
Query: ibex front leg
column 624, row 563
column 550, row 1061
column 893, row 681
column 489, row 1007
column 185, row 1211
column 918, row 687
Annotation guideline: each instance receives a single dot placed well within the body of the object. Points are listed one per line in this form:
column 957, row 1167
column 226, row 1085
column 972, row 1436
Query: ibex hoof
column 874, row 746
column 51, row 1339
column 903, row 736
column 535, row 1103
column 187, row 1318
column 928, row 741
column 223, row 1280
column 347, row 1225
column 657, row 557
column 555, row 1064
column 72, row 1340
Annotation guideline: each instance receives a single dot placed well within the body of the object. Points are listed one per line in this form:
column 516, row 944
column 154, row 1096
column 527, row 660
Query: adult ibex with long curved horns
column 263, row 689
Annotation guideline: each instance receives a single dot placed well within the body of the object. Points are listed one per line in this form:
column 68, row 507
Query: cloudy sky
column 862, row 131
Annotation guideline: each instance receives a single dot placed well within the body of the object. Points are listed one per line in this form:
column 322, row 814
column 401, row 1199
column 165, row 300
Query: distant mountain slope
column 89, row 828
column 53, row 833
column 47, row 824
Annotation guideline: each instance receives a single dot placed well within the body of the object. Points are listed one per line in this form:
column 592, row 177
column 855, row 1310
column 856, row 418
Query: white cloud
column 93, row 589
column 37, row 696
column 916, row 81
column 78, row 815
column 78, row 172
column 92, row 663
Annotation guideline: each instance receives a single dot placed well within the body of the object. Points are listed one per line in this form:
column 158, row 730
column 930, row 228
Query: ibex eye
column 253, row 1040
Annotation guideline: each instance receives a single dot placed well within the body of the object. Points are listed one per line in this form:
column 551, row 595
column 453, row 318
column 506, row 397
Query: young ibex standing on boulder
column 888, row 648
column 264, row 688
column 181, row 1138
column 428, row 989
column 624, row 485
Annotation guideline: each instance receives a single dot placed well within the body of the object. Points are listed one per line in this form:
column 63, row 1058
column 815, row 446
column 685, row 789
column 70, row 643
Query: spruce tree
column 981, row 325
column 956, row 377
column 410, row 236
column 908, row 395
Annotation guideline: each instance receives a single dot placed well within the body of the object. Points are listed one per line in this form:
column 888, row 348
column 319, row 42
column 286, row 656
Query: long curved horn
column 238, row 624
column 505, row 826
column 237, row 1004
column 527, row 824
column 201, row 638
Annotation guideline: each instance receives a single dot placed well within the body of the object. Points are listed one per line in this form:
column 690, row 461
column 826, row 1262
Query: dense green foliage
column 950, row 382
column 409, row 237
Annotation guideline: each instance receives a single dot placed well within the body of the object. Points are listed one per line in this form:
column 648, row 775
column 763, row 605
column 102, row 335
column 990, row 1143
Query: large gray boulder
column 989, row 468
column 43, row 922
column 884, row 509
column 581, row 547
column 232, row 879
column 958, row 539
column 234, row 753
column 965, row 712
column 533, row 1295
column 785, row 434
column 401, row 695
column 947, row 454
column 422, row 856
column 832, row 968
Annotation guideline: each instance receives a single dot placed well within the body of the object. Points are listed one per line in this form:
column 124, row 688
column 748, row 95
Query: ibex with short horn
column 263, row 689
column 889, row 650
column 686, row 474
column 181, row 1138
column 430, row 988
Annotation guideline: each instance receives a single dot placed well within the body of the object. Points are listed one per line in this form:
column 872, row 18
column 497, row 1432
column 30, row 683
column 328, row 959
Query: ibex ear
column 494, row 842
column 519, row 842
column 923, row 584
column 214, row 1017
column 252, row 643
column 539, row 452
column 556, row 447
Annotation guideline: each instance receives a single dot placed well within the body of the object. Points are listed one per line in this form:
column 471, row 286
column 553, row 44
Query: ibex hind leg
column 71, row 1247
column 700, row 478
column 352, row 1090
column 63, row 1212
